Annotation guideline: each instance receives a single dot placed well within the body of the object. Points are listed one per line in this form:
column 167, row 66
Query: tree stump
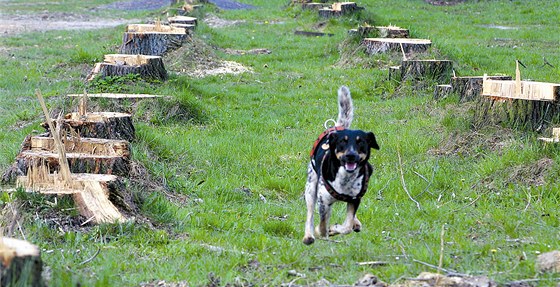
column 148, row 67
column 182, row 20
column 20, row 263
column 442, row 91
column 395, row 73
column 523, row 114
column 526, row 90
column 339, row 9
column 313, row 6
column 407, row 46
column 468, row 88
column 99, row 197
column 105, row 125
column 437, row 70
column 152, row 39
column 379, row 32
column 549, row 262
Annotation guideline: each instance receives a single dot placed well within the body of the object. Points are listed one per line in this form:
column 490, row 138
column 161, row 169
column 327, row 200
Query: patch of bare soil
column 214, row 21
column 473, row 143
column 196, row 59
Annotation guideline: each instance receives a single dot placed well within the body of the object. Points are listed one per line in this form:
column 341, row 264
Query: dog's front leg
column 310, row 200
column 350, row 223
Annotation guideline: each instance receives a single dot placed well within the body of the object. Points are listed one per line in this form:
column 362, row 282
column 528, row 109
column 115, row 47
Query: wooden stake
column 517, row 80
column 82, row 106
column 64, row 169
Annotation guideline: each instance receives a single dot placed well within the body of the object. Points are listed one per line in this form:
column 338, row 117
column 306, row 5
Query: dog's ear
column 371, row 141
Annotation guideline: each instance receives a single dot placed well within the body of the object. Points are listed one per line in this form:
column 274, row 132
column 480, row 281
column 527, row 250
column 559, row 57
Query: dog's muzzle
column 350, row 161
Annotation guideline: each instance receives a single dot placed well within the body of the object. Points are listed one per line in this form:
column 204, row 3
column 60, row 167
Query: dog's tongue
column 350, row 166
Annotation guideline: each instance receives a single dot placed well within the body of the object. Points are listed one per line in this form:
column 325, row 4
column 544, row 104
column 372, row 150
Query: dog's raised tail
column 345, row 108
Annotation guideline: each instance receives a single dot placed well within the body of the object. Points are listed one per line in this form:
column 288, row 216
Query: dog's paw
column 357, row 226
column 308, row 240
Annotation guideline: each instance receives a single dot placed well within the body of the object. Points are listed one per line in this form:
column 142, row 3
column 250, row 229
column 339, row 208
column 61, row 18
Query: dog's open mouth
column 350, row 166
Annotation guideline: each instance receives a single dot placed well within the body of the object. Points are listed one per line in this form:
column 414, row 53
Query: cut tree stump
column 148, row 67
column 182, row 20
column 313, row 6
column 442, row 91
column 470, row 87
column 395, row 73
column 339, row 9
column 20, row 263
column 152, row 39
column 379, row 32
column 99, row 197
column 104, row 125
column 407, row 46
column 84, row 155
column 549, row 262
column 516, row 113
column 437, row 70
column 117, row 96
column 527, row 90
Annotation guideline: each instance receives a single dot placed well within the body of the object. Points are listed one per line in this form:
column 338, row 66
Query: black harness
column 321, row 145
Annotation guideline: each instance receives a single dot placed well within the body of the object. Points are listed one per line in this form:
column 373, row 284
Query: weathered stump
column 516, row 113
column 313, row 6
column 442, row 91
column 379, row 32
column 549, row 262
column 148, row 67
column 437, row 70
column 101, row 198
column 339, row 9
column 152, row 39
column 105, row 125
column 382, row 45
column 20, row 263
column 468, row 88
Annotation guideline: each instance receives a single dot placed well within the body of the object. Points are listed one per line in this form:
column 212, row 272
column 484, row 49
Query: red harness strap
column 322, row 135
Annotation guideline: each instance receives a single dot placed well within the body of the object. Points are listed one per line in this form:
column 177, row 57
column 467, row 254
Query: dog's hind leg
column 350, row 223
column 310, row 200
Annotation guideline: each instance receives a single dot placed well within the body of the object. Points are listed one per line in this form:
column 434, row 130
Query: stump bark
column 148, row 67
column 382, row 45
column 152, row 39
column 20, row 263
column 104, row 125
column 379, row 32
column 468, row 88
column 442, row 91
column 530, row 115
column 437, row 70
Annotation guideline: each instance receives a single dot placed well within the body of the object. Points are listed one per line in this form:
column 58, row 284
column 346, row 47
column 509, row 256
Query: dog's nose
column 351, row 157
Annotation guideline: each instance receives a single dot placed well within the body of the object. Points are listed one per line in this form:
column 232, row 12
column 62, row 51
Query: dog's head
column 352, row 147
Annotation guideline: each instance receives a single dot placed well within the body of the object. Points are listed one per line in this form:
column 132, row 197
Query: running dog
column 338, row 171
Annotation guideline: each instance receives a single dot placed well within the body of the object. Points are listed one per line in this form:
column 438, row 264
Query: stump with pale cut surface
column 442, row 91
column 152, row 39
column 408, row 46
column 148, row 67
column 379, row 31
column 101, row 198
column 20, row 263
column 470, row 87
column 339, row 9
column 84, row 155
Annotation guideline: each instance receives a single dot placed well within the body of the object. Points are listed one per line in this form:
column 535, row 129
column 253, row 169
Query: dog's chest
column 348, row 183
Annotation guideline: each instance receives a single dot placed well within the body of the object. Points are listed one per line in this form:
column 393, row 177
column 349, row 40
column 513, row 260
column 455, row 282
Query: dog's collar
column 344, row 197
column 322, row 136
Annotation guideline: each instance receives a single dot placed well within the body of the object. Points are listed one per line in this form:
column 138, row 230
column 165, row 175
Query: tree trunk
column 104, row 125
column 148, row 67
column 154, row 40
column 403, row 45
column 468, row 88
column 438, row 70
column 20, row 263
column 529, row 115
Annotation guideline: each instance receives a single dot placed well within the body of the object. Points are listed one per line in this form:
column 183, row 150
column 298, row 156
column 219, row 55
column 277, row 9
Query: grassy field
column 226, row 204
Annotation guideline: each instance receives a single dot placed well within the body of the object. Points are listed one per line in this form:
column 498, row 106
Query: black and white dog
column 338, row 171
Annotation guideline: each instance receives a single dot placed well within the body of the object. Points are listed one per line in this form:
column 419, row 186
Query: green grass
column 238, row 168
